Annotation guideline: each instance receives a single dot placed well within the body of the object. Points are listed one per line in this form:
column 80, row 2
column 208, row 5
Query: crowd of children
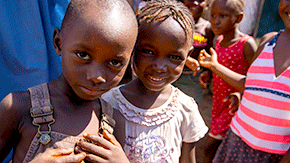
column 84, row 116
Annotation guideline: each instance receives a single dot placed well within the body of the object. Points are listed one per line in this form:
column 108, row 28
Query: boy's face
column 95, row 53
column 284, row 11
column 160, row 53
column 222, row 18
column 195, row 7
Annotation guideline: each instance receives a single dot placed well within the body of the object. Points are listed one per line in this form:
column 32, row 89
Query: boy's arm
column 104, row 148
column 187, row 153
column 9, row 121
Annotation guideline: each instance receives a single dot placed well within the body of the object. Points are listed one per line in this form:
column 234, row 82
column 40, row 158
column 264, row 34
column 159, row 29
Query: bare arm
column 286, row 157
column 234, row 79
column 250, row 47
column 187, row 153
column 9, row 120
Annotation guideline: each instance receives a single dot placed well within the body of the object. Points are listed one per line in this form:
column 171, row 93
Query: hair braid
column 158, row 10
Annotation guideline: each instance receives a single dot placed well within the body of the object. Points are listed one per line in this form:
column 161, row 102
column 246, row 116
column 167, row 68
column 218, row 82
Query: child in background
column 202, row 39
column 95, row 44
column 157, row 122
column 260, row 130
column 235, row 51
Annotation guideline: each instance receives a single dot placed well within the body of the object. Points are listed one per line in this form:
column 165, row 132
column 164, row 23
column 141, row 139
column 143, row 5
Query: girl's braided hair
column 158, row 10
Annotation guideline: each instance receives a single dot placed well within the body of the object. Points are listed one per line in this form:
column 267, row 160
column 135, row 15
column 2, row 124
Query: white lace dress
column 156, row 135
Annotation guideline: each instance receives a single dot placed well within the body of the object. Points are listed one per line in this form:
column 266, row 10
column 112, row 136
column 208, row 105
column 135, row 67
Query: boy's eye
column 115, row 63
column 146, row 51
column 176, row 57
column 83, row 55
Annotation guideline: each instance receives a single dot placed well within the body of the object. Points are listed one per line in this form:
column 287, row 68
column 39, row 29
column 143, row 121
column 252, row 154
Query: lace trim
column 147, row 117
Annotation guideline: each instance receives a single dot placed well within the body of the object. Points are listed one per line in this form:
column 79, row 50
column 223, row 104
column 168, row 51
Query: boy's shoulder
column 15, row 106
column 16, row 101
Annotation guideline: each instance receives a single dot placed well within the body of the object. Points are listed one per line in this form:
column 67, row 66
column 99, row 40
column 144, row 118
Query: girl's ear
column 239, row 17
column 56, row 41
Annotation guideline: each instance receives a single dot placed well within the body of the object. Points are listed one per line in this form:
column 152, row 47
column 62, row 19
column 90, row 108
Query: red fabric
column 233, row 58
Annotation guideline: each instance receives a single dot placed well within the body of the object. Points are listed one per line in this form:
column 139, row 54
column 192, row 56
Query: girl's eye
column 115, row 63
column 175, row 57
column 83, row 55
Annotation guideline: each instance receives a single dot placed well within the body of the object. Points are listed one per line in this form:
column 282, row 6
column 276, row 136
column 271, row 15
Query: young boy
column 95, row 43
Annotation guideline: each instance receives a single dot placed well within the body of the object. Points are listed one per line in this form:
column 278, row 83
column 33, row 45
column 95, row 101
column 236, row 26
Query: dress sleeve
column 193, row 126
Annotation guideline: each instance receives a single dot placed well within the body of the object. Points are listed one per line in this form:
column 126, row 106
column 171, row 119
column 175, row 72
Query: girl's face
column 160, row 53
column 195, row 6
column 222, row 18
column 284, row 11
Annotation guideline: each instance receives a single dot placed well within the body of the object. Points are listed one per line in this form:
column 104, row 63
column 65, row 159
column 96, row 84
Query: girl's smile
column 160, row 53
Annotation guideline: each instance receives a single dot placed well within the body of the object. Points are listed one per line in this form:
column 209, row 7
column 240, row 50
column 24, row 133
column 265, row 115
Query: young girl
column 260, row 130
column 202, row 39
column 95, row 44
column 157, row 122
column 235, row 51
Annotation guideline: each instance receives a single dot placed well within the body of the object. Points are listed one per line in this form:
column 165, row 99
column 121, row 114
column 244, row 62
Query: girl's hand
column 102, row 149
column 59, row 155
column 206, row 60
column 204, row 78
column 235, row 99
column 192, row 64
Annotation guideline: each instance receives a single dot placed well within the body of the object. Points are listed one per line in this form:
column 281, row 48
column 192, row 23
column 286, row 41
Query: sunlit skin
column 95, row 47
column 160, row 53
column 195, row 7
column 223, row 18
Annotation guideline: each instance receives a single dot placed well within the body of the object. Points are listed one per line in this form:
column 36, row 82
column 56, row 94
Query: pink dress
column 233, row 58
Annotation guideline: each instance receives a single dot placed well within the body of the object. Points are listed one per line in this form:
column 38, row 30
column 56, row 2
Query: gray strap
column 41, row 110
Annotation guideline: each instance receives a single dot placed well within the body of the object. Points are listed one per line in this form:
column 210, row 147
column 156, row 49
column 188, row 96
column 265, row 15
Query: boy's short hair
column 76, row 7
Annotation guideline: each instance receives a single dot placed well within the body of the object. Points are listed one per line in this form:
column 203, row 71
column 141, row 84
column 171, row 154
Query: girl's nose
column 160, row 66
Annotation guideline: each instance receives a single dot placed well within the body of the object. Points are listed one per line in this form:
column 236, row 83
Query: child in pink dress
column 234, row 50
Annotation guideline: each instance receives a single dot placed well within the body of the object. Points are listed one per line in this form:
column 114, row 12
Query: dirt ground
column 205, row 110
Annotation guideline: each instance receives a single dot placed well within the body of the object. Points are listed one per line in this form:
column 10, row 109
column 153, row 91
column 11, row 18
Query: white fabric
column 248, row 23
column 156, row 135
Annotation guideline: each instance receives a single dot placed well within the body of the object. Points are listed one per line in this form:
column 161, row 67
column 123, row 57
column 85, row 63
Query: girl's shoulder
column 185, row 101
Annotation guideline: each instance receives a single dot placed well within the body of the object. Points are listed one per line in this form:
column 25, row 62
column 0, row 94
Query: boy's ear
column 56, row 41
column 240, row 17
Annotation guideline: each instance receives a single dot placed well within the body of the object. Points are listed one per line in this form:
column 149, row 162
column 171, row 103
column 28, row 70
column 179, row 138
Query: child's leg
column 210, row 147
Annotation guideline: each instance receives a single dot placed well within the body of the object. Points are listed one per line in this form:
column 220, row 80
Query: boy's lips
column 92, row 91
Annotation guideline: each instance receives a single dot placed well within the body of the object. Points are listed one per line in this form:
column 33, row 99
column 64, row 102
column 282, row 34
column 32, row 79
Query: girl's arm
column 234, row 79
column 250, row 47
column 286, row 157
column 187, row 153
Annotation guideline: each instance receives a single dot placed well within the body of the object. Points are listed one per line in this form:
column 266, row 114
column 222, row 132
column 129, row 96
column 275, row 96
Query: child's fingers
column 60, row 151
column 91, row 148
column 111, row 138
column 73, row 158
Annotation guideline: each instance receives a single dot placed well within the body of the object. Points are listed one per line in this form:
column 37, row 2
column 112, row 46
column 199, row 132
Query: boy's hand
column 235, row 99
column 59, row 155
column 102, row 149
column 204, row 78
column 192, row 64
column 206, row 60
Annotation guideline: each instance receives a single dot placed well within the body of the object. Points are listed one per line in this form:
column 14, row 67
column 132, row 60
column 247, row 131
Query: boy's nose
column 96, row 74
